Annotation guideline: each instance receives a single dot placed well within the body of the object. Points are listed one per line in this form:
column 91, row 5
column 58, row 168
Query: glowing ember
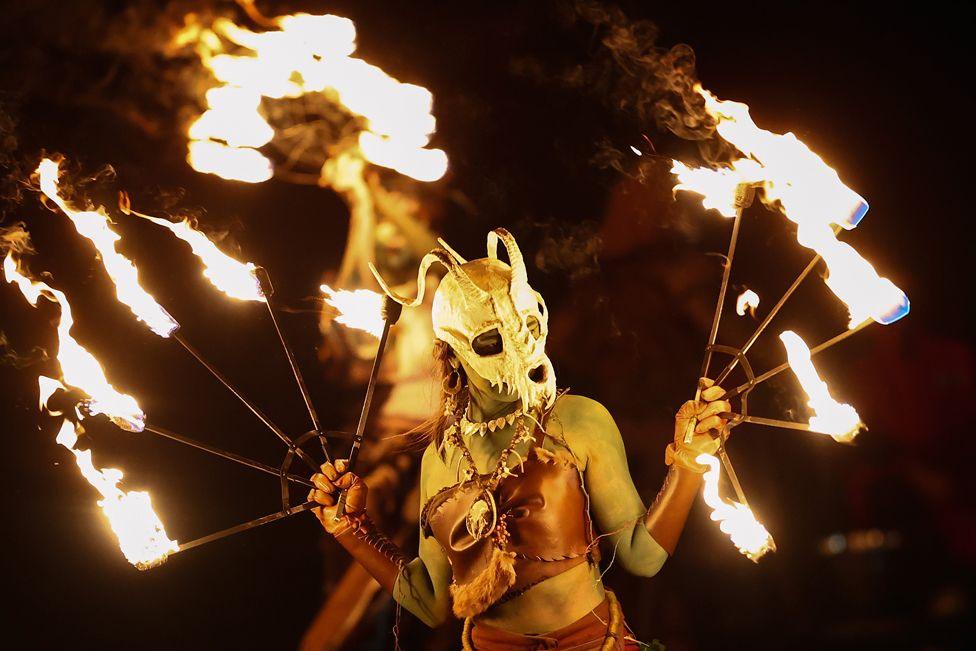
column 735, row 520
column 305, row 54
column 838, row 420
column 141, row 534
column 94, row 225
column 234, row 278
column 79, row 368
column 748, row 300
column 808, row 192
column 360, row 309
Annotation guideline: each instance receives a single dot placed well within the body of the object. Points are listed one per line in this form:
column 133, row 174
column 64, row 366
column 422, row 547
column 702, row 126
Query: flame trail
column 305, row 54
column 735, row 520
column 360, row 309
column 232, row 277
column 809, row 192
column 79, row 368
column 141, row 534
column 839, row 420
column 747, row 300
column 94, row 225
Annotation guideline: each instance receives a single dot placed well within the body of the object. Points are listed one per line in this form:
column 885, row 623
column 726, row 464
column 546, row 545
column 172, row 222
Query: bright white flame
column 748, row 300
column 735, row 520
column 94, row 225
column 791, row 173
column 838, row 420
column 717, row 187
column 140, row 532
column 305, row 54
column 79, row 368
column 231, row 163
column 360, row 308
column 808, row 192
column 234, row 278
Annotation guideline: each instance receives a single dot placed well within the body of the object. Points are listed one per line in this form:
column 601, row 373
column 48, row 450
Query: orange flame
column 79, row 369
column 142, row 537
column 808, row 192
column 234, row 278
column 735, row 520
column 94, row 225
column 305, row 54
column 838, row 420
column 747, row 300
column 360, row 309
column 140, row 532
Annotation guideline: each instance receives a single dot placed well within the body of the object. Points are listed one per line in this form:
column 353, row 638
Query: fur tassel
column 475, row 596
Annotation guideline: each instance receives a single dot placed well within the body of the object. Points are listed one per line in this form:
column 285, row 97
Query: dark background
column 880, row 92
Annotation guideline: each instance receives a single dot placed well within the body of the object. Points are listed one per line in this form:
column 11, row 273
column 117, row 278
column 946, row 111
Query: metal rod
column 775, row 422
column 391, row 313
column 743, row 197
column 772, row 313
column 231, row 456
column 246, row 526
column 268, row 290
column 768, row 318
column 730, row 473
column 836, row 339
column 247, row 403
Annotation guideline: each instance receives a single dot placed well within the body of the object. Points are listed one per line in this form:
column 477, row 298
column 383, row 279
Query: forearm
column 409, row 582
column 379, row 555
column 666, row 518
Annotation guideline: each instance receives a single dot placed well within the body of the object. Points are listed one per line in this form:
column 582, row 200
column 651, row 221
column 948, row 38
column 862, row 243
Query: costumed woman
column 518, row 481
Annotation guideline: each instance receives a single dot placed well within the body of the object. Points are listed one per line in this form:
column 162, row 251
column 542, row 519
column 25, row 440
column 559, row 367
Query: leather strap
column 667, row 516
column 380, row 556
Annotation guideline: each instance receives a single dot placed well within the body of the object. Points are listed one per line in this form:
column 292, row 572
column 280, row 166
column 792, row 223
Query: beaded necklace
column 482, row 517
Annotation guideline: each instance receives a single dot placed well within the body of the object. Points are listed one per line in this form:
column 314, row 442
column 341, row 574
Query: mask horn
column 519, row 274
column 471, row 291
column 447, row 247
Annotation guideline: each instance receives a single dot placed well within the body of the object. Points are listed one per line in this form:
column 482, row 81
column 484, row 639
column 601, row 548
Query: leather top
column 543, row 519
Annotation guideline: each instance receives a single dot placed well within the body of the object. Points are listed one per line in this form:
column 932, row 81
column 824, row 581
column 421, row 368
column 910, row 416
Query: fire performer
column 517, row 478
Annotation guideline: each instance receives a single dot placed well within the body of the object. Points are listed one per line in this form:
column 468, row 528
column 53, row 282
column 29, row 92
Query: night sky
column 880, row 92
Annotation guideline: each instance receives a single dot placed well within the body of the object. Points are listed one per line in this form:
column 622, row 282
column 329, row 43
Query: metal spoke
column 268, row 290
column 247, row 526
column 247, row 403
column 231, row 456
column 836, row 339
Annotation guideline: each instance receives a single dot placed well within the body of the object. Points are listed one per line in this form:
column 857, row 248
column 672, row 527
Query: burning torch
column 390, row 312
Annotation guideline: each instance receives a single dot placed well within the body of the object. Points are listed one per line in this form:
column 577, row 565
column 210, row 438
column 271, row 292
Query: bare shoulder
column 573, row 409
column 585, row 424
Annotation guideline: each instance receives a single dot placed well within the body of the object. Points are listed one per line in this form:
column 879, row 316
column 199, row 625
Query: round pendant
column 482, row 516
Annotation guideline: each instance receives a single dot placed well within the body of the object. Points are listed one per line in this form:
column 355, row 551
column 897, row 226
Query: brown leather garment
column 543, row 526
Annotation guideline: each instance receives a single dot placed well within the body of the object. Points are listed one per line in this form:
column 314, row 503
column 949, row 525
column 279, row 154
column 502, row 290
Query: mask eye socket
column 534, row 327
column 487, row 343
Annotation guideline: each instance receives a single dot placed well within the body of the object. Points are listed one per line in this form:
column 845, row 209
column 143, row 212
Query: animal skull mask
column 492, row 319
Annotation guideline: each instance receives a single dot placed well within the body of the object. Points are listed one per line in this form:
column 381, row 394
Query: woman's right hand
column 333, row 479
